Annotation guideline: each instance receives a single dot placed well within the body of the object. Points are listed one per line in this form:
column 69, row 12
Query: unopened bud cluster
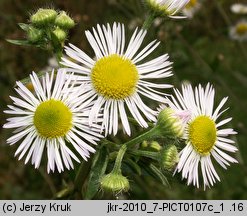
column 48, row 27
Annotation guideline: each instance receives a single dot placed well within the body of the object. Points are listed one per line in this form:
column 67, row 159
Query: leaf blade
column 98, row 170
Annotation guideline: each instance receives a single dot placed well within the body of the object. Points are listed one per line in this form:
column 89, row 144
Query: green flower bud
column 34, row 34
column 115, row 183
column 30, row 86
column 169, row 157
column 171, row 123
column 60, row 34
column 43, row 17
column 64, row 21
column 144, row 144
column 153, row 145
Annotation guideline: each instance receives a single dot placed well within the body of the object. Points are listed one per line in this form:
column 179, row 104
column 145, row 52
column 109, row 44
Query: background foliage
column 201, row 51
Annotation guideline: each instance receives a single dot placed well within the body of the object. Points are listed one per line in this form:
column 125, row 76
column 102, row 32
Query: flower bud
column 34, row 34
column 169, row 157
column 30, row 86
column 60, row 34
column 238, row 8
column 171, row 122
column 115, row 183
column 43, row 17
column 64, row 21
column 153, row 145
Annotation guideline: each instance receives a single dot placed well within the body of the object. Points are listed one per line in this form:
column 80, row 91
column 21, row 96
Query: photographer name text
column 42, row 208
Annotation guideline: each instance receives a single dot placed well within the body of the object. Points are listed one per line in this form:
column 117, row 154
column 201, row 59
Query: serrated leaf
column 24, row 26
column 98, row 170
column 157, row 173
column 20, row 42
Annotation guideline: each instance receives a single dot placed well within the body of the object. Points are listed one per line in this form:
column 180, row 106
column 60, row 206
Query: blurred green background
column 201, row 51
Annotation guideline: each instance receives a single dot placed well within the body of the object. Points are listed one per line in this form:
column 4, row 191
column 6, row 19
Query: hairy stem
column 154, row 132
column 148, row 21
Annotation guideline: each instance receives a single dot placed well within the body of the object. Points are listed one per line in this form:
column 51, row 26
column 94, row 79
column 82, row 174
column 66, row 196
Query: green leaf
column 42, row 45
column 98, row 170
column 157, row 173
column 134, row 166
column 20, row 42
column 24, row 26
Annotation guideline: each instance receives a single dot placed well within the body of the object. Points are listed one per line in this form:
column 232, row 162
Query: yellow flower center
column 52, row 119
column 191, row 4
column 241, row 28
column 202, row 134
column 114, row 77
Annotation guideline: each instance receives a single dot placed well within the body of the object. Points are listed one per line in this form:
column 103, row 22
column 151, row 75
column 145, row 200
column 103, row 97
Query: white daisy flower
column 238, row 8
column 118, row 76
column 167, row 7
column 191, row 8
column 203, row 134
column 55, row 113
column 239, row 31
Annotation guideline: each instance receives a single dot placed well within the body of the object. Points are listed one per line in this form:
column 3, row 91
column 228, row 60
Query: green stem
column 151, row 134
column 149, row 21
column 148, row 154
column 118, row 161
column 59, row 55
column 154, row 132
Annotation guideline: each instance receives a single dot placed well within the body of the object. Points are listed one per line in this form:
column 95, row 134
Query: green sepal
column 98, row 169
column 24, row 26
column 20, row 42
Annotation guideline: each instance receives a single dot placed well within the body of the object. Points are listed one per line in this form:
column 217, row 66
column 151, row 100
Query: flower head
column 238, row 8
column 55, row 113
column 203, row 135
column 239, row 31
column 118, row 75
column 167, row 7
